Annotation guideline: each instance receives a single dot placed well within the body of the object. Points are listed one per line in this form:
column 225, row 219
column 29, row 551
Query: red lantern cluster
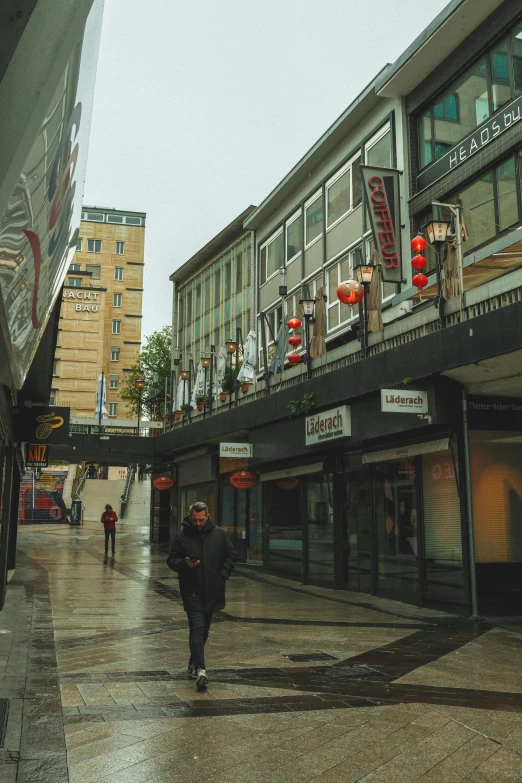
column 294, row 340
column 350, row 292
column 418, row 262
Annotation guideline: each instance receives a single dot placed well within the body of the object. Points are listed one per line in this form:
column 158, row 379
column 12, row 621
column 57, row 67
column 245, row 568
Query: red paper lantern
column 418, row 243
column 294, row 323
column 350, row 292
column 418, row 262
column 294, row 341
column 294, row 358
column 420, row 281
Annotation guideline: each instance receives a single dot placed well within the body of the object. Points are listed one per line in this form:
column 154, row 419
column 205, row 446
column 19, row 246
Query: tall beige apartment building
column 100, row 320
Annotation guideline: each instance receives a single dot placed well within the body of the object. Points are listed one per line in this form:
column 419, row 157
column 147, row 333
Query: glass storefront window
column 320, row 520
column 396, row 516
column 507, row 194
column 205, row 493
column 478, row 203
column 285, row 533
column 356, row 535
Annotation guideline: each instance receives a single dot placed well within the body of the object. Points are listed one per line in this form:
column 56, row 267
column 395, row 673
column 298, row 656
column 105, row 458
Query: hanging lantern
column 418, row 243
column 294, row 341
column 418, row 262
column 350, row 292
column 420, row 281
column 294, row 358
column 294, row 323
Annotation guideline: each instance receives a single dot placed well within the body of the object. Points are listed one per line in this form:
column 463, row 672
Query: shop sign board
column 489, row 130
column 502, row 413
column 44, row 425
column 235, row 450
column 37, row 455
column 163, row 482
column 381, row 189
column 400, row 401
column 328, row 425
column 243, row 479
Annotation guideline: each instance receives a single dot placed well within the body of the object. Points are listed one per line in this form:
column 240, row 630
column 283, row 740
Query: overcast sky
column 202, row 107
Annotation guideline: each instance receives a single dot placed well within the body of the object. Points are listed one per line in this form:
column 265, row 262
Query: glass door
column 285, row 530
column 396, row 515
column 320, row 518
column 356, row 535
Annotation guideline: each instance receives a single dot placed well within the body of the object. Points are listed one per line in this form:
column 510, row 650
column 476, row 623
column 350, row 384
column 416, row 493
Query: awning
column 300, row 470
column 403, row 452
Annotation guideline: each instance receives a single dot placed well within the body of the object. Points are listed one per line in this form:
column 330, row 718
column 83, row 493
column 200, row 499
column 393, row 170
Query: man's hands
column 192, row 563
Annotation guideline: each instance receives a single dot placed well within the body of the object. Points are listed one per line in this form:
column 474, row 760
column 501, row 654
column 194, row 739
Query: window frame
column 332, row 180
column 79, row 244
column 331, row 302
column 299, row 213
column 264, row 246
column 98, row 266
column 117, row 268
column 308, row 203
column 113, row 410
column 75, row 282
column 114, row 322
column 115, row 350
column 118, row 243
column 117, row 299
column 94, row 241
column 376, row 138
column 114, row 381
column 75, row 268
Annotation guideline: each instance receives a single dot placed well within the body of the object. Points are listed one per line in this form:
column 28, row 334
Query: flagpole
column 100, row 390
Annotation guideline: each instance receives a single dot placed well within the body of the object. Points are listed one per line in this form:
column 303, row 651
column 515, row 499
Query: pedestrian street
column 305, row 683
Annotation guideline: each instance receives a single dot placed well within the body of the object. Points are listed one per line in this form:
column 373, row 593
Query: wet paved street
column 305, row 684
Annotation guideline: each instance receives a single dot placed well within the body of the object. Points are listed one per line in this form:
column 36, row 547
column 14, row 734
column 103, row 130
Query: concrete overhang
column 335, row 134
column 443, row 35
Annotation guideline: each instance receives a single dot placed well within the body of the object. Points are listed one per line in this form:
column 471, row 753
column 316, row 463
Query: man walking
column 109, row 519
column 204, row 559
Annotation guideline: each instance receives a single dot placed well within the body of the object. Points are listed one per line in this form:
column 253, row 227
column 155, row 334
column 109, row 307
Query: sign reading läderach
column 43, row 425
column 400, row 401
column 328, row 425
column 234, row 450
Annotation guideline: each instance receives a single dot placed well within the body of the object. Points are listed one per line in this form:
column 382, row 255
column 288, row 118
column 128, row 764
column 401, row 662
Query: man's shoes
column 201, row 679
column 191, row 671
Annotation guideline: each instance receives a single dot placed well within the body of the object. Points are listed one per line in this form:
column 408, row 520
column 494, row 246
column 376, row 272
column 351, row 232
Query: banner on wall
column 381, row 190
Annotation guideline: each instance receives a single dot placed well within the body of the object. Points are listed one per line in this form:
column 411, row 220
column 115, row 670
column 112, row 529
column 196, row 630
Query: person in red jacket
column 109, row 519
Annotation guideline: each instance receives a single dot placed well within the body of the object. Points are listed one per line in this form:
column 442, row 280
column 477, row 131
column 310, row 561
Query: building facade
column 101, row 314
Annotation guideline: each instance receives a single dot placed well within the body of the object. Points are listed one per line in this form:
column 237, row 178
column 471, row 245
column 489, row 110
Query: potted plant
column 245, row 385
column 186, row 408
column 202, row 401
column 177, row 415
column 229, row 384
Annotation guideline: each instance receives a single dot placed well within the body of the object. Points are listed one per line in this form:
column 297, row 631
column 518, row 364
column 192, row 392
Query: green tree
column 154, row 367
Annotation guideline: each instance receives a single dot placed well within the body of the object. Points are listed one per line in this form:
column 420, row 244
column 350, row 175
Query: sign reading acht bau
column 400, row 401
column 328, row 425
column 235, row 450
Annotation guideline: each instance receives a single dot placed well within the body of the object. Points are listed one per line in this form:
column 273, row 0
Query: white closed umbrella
column 182, row 393
column 221, row 366
column 100, row 411
column 248, row 368
column 199, row 385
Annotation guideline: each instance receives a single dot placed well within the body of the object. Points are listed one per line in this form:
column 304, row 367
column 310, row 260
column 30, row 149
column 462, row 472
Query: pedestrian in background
column 204, row 558
column 109, row 519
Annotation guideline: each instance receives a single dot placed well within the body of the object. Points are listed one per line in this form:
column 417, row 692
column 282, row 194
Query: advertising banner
column 381, row 191
column 43, row 425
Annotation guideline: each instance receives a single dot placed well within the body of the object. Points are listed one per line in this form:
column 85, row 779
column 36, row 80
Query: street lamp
column 139, row 383
column 363, row 275
column 205, row 363
column 308, row 306
column 231, row 349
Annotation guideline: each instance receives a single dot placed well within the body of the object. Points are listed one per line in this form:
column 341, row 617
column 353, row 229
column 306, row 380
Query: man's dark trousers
column 199, row 627
column 112, row 534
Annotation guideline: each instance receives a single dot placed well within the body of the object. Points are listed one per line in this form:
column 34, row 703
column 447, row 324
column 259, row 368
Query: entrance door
column 396, row 514
column 285, row 530
column 356, row 535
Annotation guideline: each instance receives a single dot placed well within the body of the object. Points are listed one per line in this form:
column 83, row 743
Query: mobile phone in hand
column 193, row 558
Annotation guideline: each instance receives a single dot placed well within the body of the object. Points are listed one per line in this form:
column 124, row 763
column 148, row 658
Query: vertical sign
column 381, row 189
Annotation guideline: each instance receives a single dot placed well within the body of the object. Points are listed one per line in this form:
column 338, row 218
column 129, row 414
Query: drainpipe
column 469, row 508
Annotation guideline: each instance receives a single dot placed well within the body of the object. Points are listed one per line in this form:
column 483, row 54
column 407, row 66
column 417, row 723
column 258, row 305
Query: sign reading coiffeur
column 328, row 425
column 400, row 401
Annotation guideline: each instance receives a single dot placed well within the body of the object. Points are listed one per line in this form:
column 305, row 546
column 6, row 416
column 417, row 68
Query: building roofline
column 214, row 247
column 114, row 210
column 332, row 136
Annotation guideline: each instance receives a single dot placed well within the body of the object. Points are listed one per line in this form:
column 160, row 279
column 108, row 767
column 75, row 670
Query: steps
column 97, row 493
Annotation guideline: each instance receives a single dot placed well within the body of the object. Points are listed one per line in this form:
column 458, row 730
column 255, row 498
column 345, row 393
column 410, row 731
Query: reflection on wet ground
column 306, row 684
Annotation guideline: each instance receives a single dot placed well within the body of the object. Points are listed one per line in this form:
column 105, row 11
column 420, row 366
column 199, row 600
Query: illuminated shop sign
column 234, row 450
column 474, row 142
column 328, row 425
column 400, row 401
column 381, row 188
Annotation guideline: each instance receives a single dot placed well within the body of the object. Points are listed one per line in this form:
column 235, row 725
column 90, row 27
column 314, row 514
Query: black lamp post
column 139, row 383
column 308, row 306
column 364, row 274
column 205, row 363
column 437, row 230
column 231, row 349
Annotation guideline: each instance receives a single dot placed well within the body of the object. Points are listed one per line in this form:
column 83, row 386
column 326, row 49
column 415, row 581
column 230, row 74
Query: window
column 94, row 269
column 79, row 242
column 119, row 248
column 239, row 272
column 116, row 327
column 113, row 409
column 75, row 267
column 115, row 218
column 95, row 217
column 94, row 245
column 117, row 300
column 118, row 273
column 75, row 282
column 55, row 367
column 294, row 236
column 113, row 382
column 271, row 324
column 271, row 257
column 378, row 150
column 314, row 219
column 52, row 397
column 133, row 221
column 338, row 313
column 115, row 354
column 343, row 192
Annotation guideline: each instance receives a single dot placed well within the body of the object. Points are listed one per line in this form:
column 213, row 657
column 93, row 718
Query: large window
column 271, row 325
column 118, row 273
column 75, row 268
column 378, row 149
column 113, row 384
column 314, row 219
column 95, row 270
column 294, row 236
column 120, row 248
column 113, row 409
column 343, row 192
column 117, row 300
column 116, row 327
column 491, row 82
column 271, row 257
column 75, row 282
column 115, row 354
column 79, row 243
column 94, row 245
column 339, row 313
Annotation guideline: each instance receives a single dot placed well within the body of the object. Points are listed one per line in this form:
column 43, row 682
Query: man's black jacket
column 202, row 587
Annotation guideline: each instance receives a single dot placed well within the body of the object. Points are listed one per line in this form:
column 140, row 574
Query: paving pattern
column 306, row 684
